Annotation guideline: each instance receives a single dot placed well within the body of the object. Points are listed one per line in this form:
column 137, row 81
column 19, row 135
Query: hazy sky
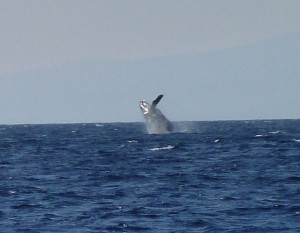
column 41, row 35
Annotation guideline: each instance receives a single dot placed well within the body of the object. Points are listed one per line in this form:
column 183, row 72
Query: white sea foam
column 132, row 141
column 297, row 140
column 185, row 127
column 275, row 132
column 169, row 147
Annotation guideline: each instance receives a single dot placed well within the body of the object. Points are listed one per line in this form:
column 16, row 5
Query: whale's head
column 145, row 107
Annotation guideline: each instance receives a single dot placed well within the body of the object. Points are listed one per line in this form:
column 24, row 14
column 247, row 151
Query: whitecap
column 259, row 135
column 169, row 147
column 275, row 132
column 297, row 140
column 217, row 140
column 99, row 125
column 132, row 141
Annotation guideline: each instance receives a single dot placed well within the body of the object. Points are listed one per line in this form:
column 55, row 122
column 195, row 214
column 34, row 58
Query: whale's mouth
column 145, row 107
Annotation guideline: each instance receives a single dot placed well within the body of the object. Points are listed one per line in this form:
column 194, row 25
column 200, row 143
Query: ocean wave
column 132, row 141
column 169, row 147
column 102, row 180
column 275, row 132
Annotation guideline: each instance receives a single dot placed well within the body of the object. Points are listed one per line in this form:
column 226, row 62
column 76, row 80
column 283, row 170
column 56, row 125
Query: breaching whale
column 156, row 122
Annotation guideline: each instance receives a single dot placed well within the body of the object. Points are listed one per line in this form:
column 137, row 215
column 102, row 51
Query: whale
column 155, row 120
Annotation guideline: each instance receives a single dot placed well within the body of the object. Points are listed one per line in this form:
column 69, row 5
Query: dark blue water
column 232, row 176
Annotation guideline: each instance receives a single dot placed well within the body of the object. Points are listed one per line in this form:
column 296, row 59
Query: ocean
column 219, row 176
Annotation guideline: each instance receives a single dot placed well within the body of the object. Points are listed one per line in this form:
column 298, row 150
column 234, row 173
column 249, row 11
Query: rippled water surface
column 231, row 176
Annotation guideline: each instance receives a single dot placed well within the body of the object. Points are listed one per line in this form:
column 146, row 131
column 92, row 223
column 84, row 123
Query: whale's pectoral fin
column 156, row 101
